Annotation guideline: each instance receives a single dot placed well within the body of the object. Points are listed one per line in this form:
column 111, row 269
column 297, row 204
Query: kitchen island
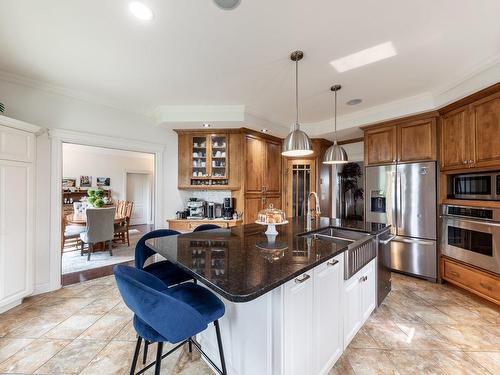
column 288, row 308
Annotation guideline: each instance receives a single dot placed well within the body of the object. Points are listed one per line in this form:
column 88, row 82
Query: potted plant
column 350, row 175
column 95, row 198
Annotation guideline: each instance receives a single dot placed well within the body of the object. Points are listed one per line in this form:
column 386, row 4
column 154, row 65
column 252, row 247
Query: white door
column 352, row 308
column 368, row 290
column 298, row 306
column 328, row 345
column 16, row 230
column 139, row 192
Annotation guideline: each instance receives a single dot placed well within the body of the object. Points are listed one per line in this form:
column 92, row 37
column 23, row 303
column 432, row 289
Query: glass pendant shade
column 335, row 155
column 296, row 143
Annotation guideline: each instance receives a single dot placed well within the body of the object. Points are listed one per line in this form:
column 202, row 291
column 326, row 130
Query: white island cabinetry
column 301, row 327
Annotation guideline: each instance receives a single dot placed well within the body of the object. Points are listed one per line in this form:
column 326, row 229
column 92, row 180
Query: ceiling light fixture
column 335, row 153
column 364, row 57
column 354, row 101
column 227, row 4
column 296, row 143
column 141, row 10
column 206, row 125
column 264, row 130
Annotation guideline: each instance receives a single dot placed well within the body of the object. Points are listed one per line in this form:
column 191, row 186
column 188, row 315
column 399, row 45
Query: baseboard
column 9, row 306
column 43, row 288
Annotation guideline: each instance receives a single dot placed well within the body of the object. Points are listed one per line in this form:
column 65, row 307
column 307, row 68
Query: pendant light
column 335, row 153
column 296, row 143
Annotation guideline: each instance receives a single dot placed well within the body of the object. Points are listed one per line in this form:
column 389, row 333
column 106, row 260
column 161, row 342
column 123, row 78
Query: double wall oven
column 472, row 235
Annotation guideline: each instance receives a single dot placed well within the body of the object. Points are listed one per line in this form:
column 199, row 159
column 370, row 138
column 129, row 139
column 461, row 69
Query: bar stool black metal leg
column 190, row 345
column 159, row 352
column 145, row 356
column 136, row 355
column 221, row 351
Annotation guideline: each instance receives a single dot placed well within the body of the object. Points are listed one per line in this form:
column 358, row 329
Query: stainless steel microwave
column 483, row 186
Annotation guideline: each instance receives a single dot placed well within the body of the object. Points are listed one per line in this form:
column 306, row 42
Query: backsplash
column 216, row 196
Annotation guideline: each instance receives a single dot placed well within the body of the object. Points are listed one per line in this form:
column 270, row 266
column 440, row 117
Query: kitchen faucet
column 317, row 209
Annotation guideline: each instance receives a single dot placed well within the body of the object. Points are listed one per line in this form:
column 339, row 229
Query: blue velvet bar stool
column 203, row 227
column 166, row 271
column 168, row 314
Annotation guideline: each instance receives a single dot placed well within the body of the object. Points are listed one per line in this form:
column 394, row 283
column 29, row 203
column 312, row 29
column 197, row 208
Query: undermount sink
column 332, row 234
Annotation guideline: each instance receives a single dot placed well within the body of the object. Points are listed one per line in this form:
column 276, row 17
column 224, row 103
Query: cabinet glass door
column 218, row 155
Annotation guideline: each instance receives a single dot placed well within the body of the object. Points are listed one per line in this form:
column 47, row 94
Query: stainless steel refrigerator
column 404, row 195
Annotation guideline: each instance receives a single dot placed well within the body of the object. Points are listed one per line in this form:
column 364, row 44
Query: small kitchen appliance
column 197, row 209
column 228, row 208
column 482, row 186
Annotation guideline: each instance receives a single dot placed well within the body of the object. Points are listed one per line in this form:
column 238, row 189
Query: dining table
column 80, row 218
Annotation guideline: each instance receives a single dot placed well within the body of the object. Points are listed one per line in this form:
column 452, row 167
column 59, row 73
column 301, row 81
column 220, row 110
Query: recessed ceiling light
column 354, row 101
column 206, row 125
column 227, row 4
column 264, row 130
column 364, row 57
column 141, row 10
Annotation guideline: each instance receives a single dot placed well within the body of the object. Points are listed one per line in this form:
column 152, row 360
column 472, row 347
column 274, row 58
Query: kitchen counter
column 235, row 264
column 188, row 225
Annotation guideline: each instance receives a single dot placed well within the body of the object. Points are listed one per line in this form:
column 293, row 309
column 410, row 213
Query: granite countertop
column 235, row 264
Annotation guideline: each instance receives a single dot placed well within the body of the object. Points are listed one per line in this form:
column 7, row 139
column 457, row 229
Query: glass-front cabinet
column 209, row 159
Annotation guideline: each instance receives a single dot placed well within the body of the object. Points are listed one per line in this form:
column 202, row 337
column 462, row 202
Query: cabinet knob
column 472, row 161
column 332, row 262
column 302, row 279
column 466, row 162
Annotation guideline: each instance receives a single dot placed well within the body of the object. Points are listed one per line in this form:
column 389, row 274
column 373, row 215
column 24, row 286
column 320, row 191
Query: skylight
column 364, row 57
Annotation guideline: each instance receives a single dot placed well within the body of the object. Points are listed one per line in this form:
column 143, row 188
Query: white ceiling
column 196, row 54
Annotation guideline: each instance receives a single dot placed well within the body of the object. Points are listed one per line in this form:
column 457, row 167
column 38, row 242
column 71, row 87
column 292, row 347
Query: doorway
column 139, row 191
column 301, row 180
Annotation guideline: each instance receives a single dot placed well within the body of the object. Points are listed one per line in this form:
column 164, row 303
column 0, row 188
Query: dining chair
column 174, row 315
column 100, row 222
column 204, row 227
column 122, row 228
column 70, row 232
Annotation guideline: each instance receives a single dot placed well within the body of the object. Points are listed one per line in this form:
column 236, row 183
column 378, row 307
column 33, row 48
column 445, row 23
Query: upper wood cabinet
column 208, row 160
column 470, row 135
column 262, row 165
column 417, row 141
column 406, row 141
column 454, row 153
column 380, row 145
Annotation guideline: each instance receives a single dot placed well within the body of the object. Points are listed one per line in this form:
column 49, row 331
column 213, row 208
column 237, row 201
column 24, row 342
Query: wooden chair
column 70, row 232
column 124, row 208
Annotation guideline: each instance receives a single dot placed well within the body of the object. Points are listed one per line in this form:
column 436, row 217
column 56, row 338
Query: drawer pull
column 487, row 287
column 332, row 262
column 453, row 273
column 302, row 279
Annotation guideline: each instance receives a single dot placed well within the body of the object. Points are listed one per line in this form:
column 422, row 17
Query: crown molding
column 198, row 113
column 20, row 125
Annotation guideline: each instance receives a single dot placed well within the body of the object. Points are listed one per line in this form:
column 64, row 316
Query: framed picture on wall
column 68, row 183
column 103, row 181
column 85, row 181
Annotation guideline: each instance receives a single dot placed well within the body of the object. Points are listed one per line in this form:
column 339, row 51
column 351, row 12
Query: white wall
column 81, row 160
column 54, row 111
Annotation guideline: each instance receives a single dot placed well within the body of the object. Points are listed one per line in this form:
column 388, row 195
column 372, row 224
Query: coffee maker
column 228, row 208
column 197, row 209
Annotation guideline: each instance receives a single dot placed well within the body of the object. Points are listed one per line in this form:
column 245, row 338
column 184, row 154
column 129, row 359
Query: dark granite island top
column 232, row 262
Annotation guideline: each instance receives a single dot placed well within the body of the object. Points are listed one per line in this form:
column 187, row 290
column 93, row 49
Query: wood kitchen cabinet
column 470, row 134
column 263, row 165
column 405, row 140
column 380, row 145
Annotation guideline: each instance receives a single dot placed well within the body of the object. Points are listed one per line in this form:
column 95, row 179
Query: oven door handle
column 489, row 223
column 385, row 242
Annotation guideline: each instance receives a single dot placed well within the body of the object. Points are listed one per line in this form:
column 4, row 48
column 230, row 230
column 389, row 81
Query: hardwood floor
column 421, row 328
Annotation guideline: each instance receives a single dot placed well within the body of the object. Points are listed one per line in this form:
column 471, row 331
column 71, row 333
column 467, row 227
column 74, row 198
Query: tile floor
column 421, row 328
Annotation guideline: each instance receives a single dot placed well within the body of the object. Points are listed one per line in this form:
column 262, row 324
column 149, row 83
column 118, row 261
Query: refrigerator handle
column 399, row 200
column 393, row 202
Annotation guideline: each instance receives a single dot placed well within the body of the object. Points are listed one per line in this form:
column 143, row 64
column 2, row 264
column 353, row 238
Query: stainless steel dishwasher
column 384, row 278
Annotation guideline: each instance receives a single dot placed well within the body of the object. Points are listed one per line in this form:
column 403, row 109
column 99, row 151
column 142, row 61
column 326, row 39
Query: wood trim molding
column 20, row 125
column 353, row 140
column 401, row 120
column 471, row 98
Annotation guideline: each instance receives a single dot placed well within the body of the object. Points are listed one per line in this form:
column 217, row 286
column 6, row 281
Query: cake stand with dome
column 271, row 217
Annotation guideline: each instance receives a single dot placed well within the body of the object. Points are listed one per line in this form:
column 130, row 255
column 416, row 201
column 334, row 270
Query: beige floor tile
column 404, row 297
column 394, row 313
column 342, row 367
column 363, row 340
column 370, row 361
column 471, row 337
column 127, row 333
column 434, row 362
column 9, row 347
column 35, row 327
column 72, row 327
column 101, row 306
column 489, row 360
column 106, row 327
column 115, row 358
column 32, row 356
column 432, row 315
column 73, row 358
